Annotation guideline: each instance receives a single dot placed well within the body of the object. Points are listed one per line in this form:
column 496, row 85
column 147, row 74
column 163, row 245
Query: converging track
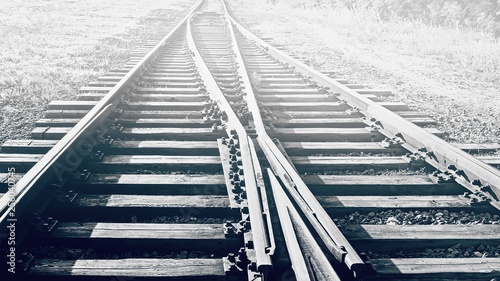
column 213, row 155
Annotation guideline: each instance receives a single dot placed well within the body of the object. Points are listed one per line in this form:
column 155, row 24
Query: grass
column 451, row 73
column 52, row 48
column 474, row 51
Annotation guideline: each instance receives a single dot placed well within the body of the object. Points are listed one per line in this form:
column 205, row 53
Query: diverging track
column 214, row 155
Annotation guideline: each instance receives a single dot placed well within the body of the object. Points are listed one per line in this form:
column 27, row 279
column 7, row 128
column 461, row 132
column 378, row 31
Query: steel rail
column 329, row 233
column 471, row 172
column 33, row 181
column 261, row 237
column 305, row 265
column 263, row 195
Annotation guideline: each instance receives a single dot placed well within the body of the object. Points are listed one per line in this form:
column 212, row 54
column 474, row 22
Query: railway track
column 214, row 155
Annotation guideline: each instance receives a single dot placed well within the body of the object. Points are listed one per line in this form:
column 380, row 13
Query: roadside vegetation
column 481, row 14
column 431, row 53
column 461, row 32
column 49, row 49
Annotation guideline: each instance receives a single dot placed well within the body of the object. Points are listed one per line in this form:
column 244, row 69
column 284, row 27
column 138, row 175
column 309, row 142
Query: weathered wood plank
column 308, row 148
column 394, row 106
column 177, row 163
column 110, row 78
column 477, row 147
column 186, row 114
column 343, row 203
column 21, row 162
column 73, row 105
column 120, row 207
column 152, row 201
column 27, row 146
column 271, row 72
column 297, row 97
column 165, row 122
column 49, row 133
column 128, row 114
column 288, row 114
column 422, row 121
column 122, row 147
column 120, row 69
column 337, row 121
column 304, row 106
column 290, row 91
column 165, row 147
column 327, row 163
column 95, row 89
column 492, row 160
column 164, row 105
column 290, row 79
column 164, row 268
column 412, row 114
column 416, row 236
column 82, row 105
column 326, row 134
column 138, row 231
column 377, row 92
column 56, row 122
column 266, row 67
column 83, row 96
column 56, row 133
column 434, row 131
column 358, row 86
column 186, row 78
column 371, row 97
column 180, row 65
column 102, row 83
column 441, row 269
column 159, row 73
column 141, row 122
column 172, row 90
column 66, row 113
column 378, row 185
column 320, row 123
column 173, row 70
column 196, row 184
column 199, row 134
column 170, row 97
column 19, row 157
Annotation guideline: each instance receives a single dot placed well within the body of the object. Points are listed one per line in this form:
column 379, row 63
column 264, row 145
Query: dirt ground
column 49, row 49
column 467, row 108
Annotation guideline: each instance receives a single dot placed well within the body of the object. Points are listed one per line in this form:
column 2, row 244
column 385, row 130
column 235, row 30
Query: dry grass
column 474, row 51
column 451, row 73
column 51, row 48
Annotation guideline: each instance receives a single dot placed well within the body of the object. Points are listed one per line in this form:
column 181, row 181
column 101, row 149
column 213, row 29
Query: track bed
column 213, row 155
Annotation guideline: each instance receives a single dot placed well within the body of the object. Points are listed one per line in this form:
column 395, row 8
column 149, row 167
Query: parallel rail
column 471, row 172
column 443, row 156
column 75, row 144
